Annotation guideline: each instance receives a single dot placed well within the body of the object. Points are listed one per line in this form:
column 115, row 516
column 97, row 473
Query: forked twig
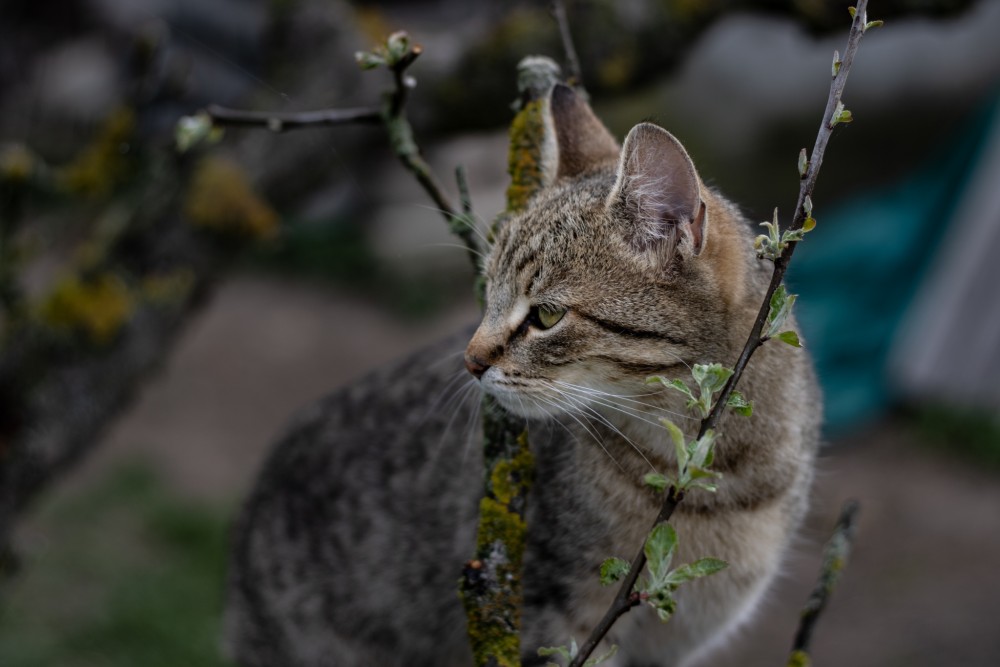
column 392, row 115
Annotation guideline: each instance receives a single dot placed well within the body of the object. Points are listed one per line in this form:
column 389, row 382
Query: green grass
column 121, row 574
column 966, row 432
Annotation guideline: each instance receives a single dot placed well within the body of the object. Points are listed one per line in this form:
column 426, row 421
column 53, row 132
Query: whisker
column 604, row 420
column 554, row 402
column 606, row 399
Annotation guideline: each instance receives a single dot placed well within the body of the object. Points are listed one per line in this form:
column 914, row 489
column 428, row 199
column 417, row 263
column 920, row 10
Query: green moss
column 220, row 199
column 168, row 289
column 97, row 308
column 799, row 659
column 122, row 572
column 498, row 523
column 511, row 478
column 17, row 163
column 527, row 133
column 494, row 605
column 105, row 162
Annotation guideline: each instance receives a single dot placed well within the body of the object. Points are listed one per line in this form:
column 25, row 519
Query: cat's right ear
column 581, row 142
column 658, row 193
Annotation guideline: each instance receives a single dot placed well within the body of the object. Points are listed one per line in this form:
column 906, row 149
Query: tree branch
column 574, row 73
column 491, row 583
column 623, row 601
column 281, row 121
column 397, row 55
column 835, row 557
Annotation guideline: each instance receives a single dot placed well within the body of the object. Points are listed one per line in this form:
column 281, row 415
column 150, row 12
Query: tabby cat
column 625, row 265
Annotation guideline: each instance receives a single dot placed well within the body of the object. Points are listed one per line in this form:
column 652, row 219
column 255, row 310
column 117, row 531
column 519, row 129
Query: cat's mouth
column 522, row 396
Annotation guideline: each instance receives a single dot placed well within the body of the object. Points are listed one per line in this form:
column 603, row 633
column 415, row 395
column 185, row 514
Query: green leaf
column 781, row 307
column 803, row 162
column 837, row 62
column 607, row 656
column 659, row 551
column 840, row 115
column 656, row 481
column 677, row 436
column 704, row 450
column 368, row 60
column 853, row 11
column 704, row 484
column 808, row 224
column 702, row 567
column 397, row 45
column 192, row 130
column 710, row 377
column 613, row 569
column 789, row 337
column 873, row 24
column 740, row 404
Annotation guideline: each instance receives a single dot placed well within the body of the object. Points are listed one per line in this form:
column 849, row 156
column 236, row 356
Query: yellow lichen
column 168, row 289
column 512, row 478
column 372, row 24
column 96, row 308
column 17, row 163
column 220, row 198
column 799, row 659
column 103, row 164
column 524, row 164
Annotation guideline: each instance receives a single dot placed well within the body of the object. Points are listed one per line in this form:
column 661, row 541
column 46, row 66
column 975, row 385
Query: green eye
column 548, row 317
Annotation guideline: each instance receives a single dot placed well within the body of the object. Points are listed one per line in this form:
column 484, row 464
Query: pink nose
column 475, row 366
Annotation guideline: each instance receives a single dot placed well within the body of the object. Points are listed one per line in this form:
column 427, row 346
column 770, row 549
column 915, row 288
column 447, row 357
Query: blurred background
column 163, row 314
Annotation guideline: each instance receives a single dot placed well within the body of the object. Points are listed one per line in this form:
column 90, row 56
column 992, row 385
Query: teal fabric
column 857, row 272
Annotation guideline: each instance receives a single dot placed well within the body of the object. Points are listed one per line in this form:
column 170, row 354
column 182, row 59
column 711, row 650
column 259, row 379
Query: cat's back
column 367, row 494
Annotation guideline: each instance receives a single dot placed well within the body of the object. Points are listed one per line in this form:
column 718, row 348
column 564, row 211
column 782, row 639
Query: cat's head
column 624, row 266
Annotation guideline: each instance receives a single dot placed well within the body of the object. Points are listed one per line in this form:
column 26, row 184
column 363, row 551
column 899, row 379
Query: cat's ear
column 581, row 140
column 658, row 192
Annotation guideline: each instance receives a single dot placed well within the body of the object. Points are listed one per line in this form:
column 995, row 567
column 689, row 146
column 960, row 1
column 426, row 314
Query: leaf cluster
column 658, row 587
column 567, row 653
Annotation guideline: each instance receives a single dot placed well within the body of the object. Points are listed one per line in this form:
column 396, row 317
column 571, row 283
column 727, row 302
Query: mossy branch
column 491, row 584
column 833, row 115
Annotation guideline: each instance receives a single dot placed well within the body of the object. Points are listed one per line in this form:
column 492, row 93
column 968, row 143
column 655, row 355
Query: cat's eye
column 547, row 317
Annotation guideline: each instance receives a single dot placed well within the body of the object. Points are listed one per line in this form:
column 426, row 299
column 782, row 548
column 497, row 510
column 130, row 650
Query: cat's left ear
column 659, row 193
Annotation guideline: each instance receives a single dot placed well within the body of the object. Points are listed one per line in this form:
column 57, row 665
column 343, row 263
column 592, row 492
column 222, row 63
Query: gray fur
column 349, row 549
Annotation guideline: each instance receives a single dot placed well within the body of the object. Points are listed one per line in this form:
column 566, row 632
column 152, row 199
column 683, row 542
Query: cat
column 625, row 265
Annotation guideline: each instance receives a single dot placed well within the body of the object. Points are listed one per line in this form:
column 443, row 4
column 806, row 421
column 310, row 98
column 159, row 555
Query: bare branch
column 280, row 121
column 392, row 115
column 835, row 557
column 575, row 74
column 623, row 601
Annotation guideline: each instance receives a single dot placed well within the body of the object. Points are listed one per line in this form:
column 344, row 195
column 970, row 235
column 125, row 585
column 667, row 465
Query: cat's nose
column 476, row 366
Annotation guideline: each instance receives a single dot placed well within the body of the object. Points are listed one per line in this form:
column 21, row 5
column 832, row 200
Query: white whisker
column 604, row 420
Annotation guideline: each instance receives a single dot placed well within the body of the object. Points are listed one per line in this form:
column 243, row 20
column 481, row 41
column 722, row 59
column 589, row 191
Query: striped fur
column 348, row 551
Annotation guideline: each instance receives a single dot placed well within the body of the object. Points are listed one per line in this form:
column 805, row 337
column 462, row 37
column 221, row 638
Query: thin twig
column 280, row 121
column 754, row 340
column 835, row 557
column 392, row 115
column 464, row 226
column 626, row 598
column 806, row 186
column 575, row 78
